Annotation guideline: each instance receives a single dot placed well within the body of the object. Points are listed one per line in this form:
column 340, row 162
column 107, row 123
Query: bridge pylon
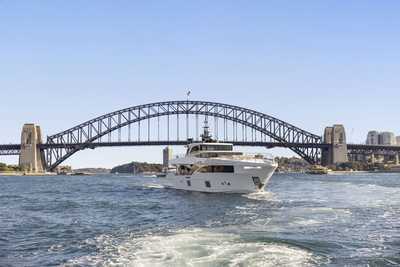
column 336, row 153
column 31, row 158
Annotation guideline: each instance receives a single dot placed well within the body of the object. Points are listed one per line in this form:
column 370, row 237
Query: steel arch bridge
column 245, row 124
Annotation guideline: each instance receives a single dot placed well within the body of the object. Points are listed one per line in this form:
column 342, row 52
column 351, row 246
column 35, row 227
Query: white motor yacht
column 210, row 166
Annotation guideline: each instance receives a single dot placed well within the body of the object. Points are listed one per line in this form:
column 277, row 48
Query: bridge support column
column 337, row 151
column 31, row 158
column 397, row 159
column 373, row 158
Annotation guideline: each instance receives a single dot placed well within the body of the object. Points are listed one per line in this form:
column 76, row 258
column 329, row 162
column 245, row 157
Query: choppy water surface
column 335, row 220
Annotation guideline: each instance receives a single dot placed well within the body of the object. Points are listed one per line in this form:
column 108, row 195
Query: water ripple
column 302, row 220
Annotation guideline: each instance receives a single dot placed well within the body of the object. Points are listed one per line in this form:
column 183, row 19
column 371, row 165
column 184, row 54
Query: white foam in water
column 305, row 222
column 192, row 248
column 262, row 195
column 377, row 195
column 154, row 186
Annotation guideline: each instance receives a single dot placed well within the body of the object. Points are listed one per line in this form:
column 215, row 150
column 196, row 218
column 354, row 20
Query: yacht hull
column 246, row 182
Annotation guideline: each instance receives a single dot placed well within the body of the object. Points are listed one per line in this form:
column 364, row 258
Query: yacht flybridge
column 209, row 166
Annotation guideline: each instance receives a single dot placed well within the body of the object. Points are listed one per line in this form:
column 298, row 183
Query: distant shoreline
column 19, row 173
column 344, row 172
column 152, row 174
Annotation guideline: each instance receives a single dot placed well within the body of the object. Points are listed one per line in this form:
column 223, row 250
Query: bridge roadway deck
column 17, row 147
column 160, row 143
column 172, row 143
column 10, row 149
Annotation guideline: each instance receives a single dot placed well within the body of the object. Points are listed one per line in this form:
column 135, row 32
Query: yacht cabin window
column 211, row 147
column 216, row 168
column 184, row 169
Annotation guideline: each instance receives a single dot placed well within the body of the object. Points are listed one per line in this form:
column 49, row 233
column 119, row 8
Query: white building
column 387, row 139
column 382, row 138
column 167, row 156
column 373, row 138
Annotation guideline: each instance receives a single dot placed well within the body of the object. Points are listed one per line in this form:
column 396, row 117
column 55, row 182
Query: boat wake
column 196, row 247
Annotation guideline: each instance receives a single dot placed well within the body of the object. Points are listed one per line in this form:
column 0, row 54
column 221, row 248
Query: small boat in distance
column 209, row 166
column 317, row 169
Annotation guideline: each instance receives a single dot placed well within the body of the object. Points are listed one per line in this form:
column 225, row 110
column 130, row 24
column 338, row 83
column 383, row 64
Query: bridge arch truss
column 64, row 144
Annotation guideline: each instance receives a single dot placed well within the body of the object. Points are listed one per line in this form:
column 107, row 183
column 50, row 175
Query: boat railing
column 263, row 156
column 243, row 156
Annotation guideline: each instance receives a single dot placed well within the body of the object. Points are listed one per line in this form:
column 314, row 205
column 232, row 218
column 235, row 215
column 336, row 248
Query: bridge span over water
column 174, row 123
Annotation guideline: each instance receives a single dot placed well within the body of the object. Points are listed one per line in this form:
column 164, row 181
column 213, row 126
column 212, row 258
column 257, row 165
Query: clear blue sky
column 311, row 63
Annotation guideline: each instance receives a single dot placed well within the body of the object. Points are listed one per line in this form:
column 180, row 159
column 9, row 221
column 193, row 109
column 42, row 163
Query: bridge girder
column 10, row 150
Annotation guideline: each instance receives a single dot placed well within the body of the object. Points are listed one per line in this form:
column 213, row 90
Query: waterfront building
column 373, row 138
column 381, row 138
column 387, row 139
column 167, row 156
column 398, row 140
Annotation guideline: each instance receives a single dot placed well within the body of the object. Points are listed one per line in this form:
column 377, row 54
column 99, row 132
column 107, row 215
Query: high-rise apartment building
column 388, row 139
column 373, row 138
column 167, row 156
column 381, row 138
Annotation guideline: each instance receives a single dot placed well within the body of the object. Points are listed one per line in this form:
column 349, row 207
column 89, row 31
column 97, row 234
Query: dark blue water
column 334, row 220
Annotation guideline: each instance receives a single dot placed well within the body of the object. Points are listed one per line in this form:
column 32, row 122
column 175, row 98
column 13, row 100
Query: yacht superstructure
column 209, row 166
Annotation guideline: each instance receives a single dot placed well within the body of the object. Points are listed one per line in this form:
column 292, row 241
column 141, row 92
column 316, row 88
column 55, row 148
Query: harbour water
column 301, row 220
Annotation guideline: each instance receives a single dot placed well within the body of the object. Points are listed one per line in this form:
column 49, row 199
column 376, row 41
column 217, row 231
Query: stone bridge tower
column 337, row 151
column 31, row 158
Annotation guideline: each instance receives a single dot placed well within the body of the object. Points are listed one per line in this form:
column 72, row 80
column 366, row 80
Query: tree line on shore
column 9, row 168
column 137, row 167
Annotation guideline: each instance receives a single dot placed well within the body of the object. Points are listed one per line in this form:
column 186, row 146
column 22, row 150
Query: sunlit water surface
column 302, row 220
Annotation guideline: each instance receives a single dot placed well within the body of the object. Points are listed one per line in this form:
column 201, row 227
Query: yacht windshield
column 210, row 147
column 216, row 148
